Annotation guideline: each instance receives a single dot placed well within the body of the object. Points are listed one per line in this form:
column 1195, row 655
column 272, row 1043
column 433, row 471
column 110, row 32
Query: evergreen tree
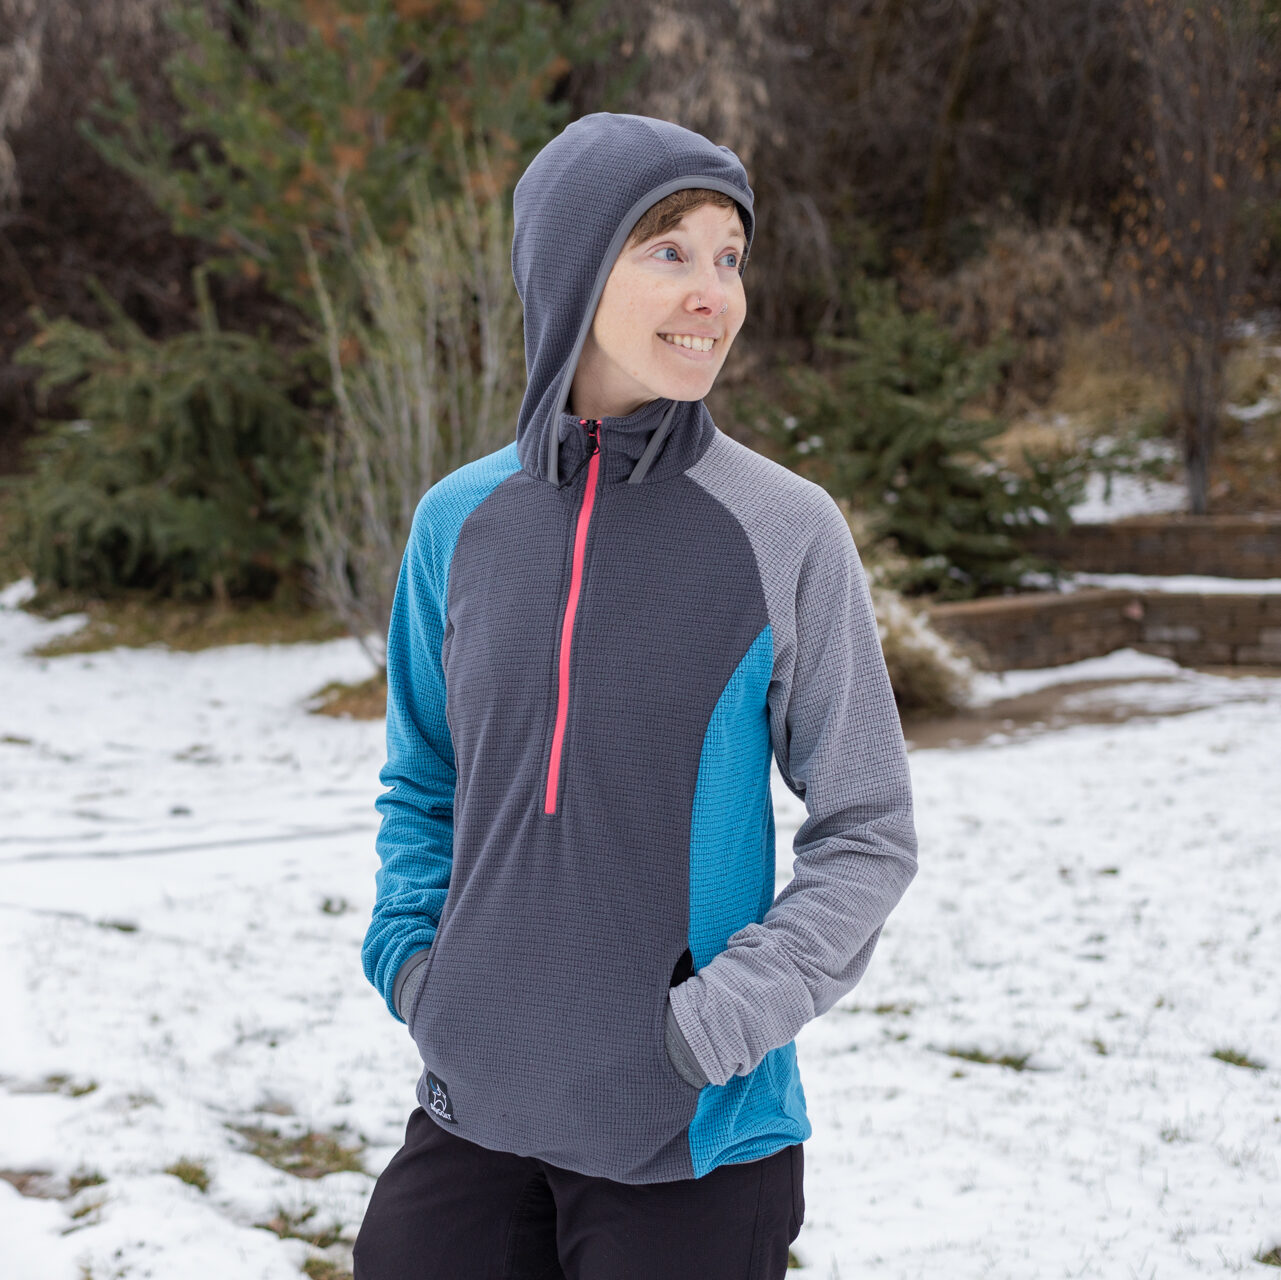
column 187, row 473
column 895, row 431
column 295, row 110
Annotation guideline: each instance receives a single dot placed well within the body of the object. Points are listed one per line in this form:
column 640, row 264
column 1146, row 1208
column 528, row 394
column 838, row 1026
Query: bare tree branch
column 1200, row 184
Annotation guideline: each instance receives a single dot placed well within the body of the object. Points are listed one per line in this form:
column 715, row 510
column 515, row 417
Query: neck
column 589, row 399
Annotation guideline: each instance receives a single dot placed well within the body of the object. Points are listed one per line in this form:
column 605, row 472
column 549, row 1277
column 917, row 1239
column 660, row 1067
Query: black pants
column 448, row 1209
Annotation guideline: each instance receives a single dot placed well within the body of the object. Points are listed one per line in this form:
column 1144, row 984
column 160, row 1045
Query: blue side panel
column 731, row 884
column 415, row 839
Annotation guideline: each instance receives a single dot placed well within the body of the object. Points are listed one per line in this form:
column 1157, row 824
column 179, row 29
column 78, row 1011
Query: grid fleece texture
column 415, row 840
column 723, row 617
column 731, row 880
column 839, row 746
column 544, row 1008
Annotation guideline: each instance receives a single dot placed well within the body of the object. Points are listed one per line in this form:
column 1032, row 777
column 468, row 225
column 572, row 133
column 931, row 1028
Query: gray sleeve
column 839, row 746
column 408, row 980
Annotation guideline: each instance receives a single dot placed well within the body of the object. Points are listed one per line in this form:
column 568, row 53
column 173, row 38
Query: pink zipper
column 571, row 607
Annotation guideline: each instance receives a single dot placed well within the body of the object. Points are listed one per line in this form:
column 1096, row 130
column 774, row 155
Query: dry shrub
column 723, row 90
column 1106, row 403
column 1037, row 283
column 1103, row 382
column 929, row 673
column 432, row 380
column 1247, row 467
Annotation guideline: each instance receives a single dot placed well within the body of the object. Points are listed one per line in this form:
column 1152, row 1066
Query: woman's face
column 684, row 282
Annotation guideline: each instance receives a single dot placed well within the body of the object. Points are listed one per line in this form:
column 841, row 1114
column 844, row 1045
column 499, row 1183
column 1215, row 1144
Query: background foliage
column 1020, row 172
column 893, row 429
column 296, row 112
column 432, row 379
column 188, row 472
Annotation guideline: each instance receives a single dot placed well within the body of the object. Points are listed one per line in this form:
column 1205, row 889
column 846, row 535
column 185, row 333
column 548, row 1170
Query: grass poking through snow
column 1237, row 1059
column 1015, row 1061
column 308, row 1155
column 192, row 1172
column 366, row 700
column 324, row 1269
column 300, row 1226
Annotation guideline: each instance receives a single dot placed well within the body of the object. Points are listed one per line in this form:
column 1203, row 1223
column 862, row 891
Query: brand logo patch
column 438, row 1098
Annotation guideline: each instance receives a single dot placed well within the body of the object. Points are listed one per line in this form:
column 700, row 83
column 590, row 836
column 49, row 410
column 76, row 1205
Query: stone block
column 1157, row 634
column 1257, row 655
column 1214, row 652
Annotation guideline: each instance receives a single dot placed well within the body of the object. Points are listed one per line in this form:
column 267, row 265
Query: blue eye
column 672, row 248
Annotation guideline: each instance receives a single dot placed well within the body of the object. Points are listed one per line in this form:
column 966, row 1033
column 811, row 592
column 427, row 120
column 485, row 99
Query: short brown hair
column 669, row 211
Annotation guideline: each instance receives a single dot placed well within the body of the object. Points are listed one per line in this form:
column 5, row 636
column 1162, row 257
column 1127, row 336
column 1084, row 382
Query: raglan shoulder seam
column 468, row 487
column 802, row 509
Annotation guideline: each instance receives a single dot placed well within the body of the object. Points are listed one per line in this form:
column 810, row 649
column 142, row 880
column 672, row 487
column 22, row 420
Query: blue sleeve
column 415, row 840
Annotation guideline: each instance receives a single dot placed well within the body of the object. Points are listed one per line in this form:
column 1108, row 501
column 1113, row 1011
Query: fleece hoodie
column 602, row 634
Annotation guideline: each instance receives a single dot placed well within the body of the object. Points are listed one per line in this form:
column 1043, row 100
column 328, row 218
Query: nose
column 709, row 300
column 708, row 293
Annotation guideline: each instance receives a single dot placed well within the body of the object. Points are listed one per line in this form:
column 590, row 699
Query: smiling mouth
column 694, row 344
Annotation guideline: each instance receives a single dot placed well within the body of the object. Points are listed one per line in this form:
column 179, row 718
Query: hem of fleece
column 696, row 1037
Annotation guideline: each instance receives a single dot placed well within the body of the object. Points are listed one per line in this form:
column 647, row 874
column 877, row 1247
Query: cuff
column 692, row 1030
column 681, row 1055
column 408, row 980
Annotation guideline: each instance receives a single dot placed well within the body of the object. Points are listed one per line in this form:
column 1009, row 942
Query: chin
column 685, row 389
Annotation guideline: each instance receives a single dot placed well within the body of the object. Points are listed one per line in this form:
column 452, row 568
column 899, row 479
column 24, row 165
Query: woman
column 601, row 634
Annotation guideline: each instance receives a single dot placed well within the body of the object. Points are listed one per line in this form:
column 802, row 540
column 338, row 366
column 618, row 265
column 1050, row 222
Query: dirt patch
column 44, row 1184
column 137, row 622
column 364, row 701
column 40, row 1184
column 310, row 1154
column 1078, row 702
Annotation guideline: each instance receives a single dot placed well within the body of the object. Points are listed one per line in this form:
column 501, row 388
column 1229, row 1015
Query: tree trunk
column 1199, row 411
column 938, row 183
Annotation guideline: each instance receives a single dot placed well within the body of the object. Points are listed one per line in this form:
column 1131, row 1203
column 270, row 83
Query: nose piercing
column 721, row 312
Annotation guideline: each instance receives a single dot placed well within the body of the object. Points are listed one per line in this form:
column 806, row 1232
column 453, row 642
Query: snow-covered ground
column 1127, row 495
column 1191, row 583
column 186, row 870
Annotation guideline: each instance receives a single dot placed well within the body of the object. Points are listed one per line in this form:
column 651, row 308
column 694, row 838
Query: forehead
column 725, row 219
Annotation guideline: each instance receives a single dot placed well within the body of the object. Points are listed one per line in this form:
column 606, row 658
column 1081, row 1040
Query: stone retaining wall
column 1246, row 546
column 1047, row 629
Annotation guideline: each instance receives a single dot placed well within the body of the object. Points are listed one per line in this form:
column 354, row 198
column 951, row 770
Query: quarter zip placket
column 593, row 426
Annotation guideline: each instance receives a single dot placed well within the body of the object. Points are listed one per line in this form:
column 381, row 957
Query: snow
column 1132, row 495
column 186, row 870
column 1124, row 667
column 1251, row 412
column 1190, row 583
column 1129, row 496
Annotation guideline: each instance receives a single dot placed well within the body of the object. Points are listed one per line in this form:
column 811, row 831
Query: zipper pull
column 593, row 448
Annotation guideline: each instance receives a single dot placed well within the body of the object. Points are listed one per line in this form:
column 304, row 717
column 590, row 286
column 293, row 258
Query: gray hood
column 574, row 207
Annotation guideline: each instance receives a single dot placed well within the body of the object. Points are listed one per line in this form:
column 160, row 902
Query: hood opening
column 575, row 206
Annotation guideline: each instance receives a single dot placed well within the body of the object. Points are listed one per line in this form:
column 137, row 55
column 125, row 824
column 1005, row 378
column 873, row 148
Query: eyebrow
column 680, row 226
